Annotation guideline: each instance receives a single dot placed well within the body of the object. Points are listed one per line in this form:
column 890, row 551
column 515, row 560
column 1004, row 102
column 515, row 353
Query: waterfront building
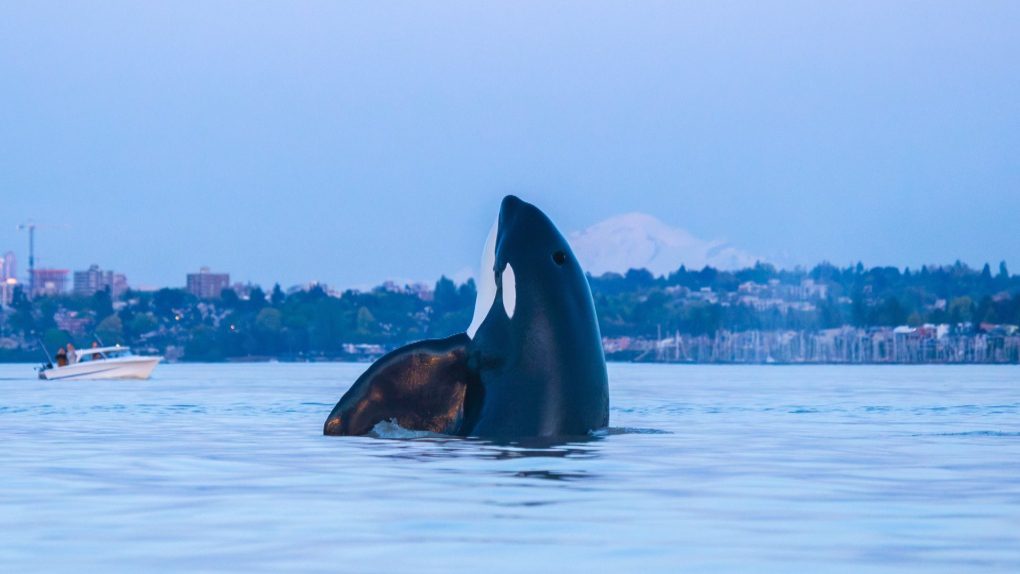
column 7, row 291
column 119, row 286
column 88, row 282
column 422, row 290
column 8, row 266
column 8, row 278
column 49, row 282
column 207, row 285
column 72, row 322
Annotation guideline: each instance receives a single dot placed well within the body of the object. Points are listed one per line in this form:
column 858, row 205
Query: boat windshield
column 102, row 353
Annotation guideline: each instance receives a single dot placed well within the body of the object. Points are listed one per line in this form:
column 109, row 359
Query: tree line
column 310, row 323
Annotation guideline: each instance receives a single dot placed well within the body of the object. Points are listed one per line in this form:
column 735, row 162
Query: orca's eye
column 560, row 257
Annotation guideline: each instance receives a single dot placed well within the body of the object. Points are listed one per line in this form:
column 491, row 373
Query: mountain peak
column 639, row 240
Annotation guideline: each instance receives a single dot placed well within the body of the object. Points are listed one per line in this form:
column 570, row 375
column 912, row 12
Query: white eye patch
column 486, row 282
column 509, row 291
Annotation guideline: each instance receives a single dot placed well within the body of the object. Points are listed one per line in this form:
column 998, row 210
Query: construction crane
column 31, row 226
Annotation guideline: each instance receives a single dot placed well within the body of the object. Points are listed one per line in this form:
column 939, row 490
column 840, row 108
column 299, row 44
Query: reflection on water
column 409, row 444
column 710, row 469
column 551, row 475
column 434, row 448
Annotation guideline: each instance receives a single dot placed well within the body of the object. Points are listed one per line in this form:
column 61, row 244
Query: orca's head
column 529, row 275
column 527, row 267
column 535, row 336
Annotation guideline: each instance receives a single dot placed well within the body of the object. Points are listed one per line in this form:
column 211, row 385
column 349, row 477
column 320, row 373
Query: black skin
column 539, row 374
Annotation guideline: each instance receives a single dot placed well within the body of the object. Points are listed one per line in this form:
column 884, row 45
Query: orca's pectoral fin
column 423, row 386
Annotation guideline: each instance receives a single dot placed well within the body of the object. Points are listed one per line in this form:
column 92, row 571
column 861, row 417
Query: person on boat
column 72, row 358
column 96, row 356
column 61, row 357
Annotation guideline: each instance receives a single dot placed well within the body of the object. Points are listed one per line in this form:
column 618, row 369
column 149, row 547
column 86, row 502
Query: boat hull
column 127, row 368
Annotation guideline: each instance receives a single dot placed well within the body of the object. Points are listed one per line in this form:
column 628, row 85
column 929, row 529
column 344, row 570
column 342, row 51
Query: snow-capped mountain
column 639, row 240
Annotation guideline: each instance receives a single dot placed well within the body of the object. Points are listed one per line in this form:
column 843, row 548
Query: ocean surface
column 705, row 469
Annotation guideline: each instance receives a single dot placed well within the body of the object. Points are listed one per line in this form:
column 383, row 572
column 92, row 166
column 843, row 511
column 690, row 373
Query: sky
column 355, row 142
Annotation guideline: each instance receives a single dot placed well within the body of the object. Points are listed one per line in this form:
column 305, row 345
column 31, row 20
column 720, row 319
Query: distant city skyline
column 351, row 144
column 629, row 241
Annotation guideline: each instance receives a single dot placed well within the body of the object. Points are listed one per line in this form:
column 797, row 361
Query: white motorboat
column 102, row 363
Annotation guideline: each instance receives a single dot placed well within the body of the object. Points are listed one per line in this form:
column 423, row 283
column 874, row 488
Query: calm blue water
column 223, row 467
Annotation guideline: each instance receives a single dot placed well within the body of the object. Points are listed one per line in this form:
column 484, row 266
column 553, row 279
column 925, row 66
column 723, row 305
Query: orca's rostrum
column 529, row 365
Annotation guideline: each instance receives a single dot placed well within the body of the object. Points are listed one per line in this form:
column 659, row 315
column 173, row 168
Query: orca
column 530, row 364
